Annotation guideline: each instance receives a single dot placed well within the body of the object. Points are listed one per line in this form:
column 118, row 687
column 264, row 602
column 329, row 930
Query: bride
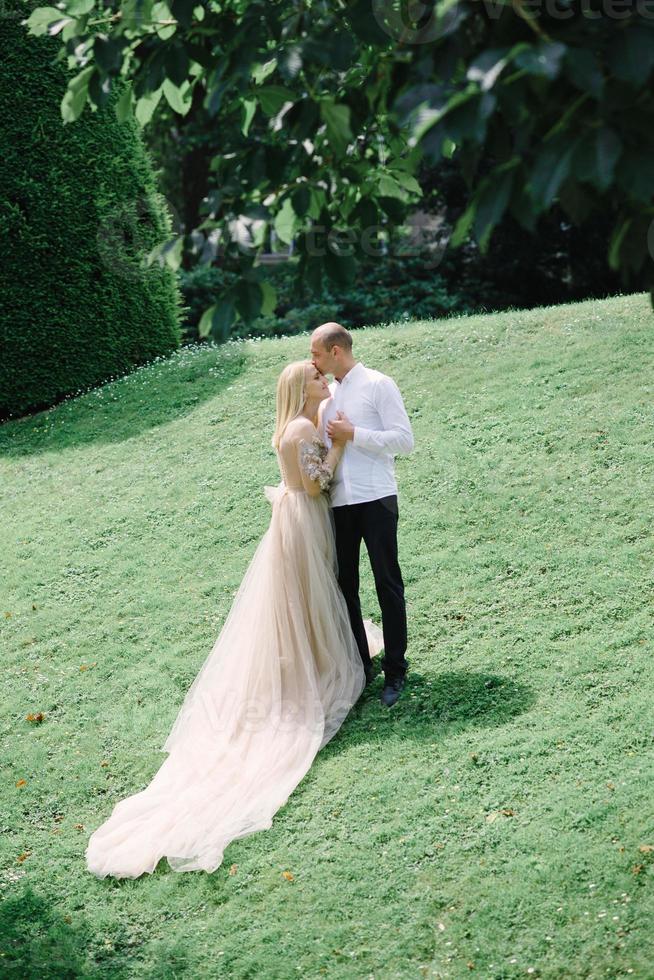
column 277, row 685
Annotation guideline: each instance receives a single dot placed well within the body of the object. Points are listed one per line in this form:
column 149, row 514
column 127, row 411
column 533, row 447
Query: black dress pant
column 374, row 522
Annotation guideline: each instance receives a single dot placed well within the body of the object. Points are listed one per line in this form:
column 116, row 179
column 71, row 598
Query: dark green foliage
column 78, row 208
column 313, row 124
column 389, row 289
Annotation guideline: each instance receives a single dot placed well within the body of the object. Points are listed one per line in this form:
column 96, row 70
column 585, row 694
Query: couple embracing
column 294, row 653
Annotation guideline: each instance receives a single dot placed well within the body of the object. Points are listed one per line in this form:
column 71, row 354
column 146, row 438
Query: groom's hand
column 340, row 429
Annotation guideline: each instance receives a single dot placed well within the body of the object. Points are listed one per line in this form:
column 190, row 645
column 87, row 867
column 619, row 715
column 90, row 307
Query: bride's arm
column 316, row 465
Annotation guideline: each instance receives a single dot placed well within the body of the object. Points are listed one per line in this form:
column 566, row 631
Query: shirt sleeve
column 395, row 435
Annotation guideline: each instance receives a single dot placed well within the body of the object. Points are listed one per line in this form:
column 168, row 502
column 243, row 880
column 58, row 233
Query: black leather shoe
column 392, row 690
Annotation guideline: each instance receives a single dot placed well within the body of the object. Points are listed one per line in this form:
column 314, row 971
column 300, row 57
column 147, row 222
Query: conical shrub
column 79, row 207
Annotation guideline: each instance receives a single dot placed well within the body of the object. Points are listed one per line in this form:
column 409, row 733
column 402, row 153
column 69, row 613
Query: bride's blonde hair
column 290, row 397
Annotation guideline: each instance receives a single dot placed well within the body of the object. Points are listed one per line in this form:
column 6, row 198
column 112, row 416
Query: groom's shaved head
column 329, row 334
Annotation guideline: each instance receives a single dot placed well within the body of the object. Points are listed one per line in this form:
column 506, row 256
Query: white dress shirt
column 373, row 404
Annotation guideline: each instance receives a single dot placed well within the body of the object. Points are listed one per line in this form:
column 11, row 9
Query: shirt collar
column 350, row 373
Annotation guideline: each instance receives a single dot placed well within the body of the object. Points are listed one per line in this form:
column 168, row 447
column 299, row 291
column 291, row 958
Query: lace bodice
column 304, row 461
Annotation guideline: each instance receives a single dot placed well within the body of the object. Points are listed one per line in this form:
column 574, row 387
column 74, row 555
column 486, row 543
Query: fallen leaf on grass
column 23, row 856
column 104, row 762
column 21, row 782
column 79, row 826
column 287, row 875
column 88, row 666
column 646, row 848
column 233, row 869
column 506, row 812
column 38, row 717
column 637, row 868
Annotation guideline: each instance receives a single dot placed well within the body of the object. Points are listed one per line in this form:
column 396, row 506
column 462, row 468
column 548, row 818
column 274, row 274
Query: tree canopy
column 326, row 110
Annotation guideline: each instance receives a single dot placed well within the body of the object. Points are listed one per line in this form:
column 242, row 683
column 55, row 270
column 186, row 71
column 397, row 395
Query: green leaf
column 340, row 269
column 491, row 204
column 177, row 64
column 108, row 53
column 487, row 67
column 135, row 14
column 146, row 105
column 272, row 98
column 595, row 157
column 161, row 11
column 317, row 203
column 223, row 317
column 631, row 55
column 172, row 252
column 551, row 168
column 249, row 298
column 337, row 119
column 249, row 107
column 178, row 97
column 269, row 298
column 182, row 10
column 584, row 71
column 615, row 243
column 333, row 48
column 635, row 175
column 389, row 187
column 38, row 21
column 74, row 28
column 124, row 104
column 60, row 25
column 260, row 72
column 78, row 7
column 408, row 181
column 75, row 96
column 463, row 225
column 301, row 199
column 286, row 222
column 542, row 59
column 206, row 320
column 366, row 26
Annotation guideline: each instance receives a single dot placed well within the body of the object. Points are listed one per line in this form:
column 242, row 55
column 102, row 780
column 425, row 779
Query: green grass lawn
column 499, row 820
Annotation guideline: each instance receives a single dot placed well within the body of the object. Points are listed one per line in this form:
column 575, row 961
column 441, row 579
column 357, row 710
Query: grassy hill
column 497, row 822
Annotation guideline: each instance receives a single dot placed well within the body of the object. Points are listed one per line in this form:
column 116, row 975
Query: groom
column 366, row 409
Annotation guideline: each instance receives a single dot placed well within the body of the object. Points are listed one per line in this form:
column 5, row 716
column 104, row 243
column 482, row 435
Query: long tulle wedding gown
column 277, row 685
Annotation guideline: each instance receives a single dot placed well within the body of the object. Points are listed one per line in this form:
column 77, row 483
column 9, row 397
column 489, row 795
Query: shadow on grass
column 150, row 396
column 434, row 705
column 39, row 942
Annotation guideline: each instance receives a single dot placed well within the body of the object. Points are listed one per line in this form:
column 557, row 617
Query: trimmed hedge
column 79, row 206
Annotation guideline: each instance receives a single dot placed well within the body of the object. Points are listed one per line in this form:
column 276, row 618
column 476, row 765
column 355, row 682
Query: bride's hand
column 340, row 430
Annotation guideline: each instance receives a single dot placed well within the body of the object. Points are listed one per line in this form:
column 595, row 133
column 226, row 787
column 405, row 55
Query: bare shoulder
column 300, row 428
